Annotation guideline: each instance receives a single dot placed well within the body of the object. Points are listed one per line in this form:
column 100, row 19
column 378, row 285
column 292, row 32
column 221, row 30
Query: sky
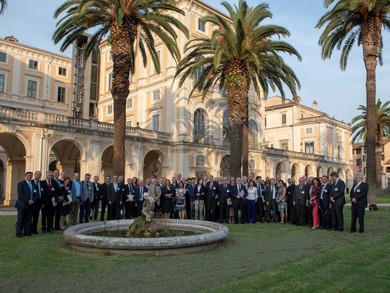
column 337, row 92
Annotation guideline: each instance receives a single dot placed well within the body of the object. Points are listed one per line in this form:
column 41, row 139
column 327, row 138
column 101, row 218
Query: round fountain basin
column 198, row 235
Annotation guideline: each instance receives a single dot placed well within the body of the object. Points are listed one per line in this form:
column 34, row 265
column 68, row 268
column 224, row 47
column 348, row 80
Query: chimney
column 11, row 39
column 315, row 105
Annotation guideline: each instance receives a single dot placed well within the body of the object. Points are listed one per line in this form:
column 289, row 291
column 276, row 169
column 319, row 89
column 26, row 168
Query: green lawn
column 254, row 258
column 383, row 198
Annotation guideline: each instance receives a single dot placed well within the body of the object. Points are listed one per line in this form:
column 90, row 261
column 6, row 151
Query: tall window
column 109, row 110
column 200, row 161
column 129, row 103
column 309, row 147
column 225, row 125
column 284, row 118
column 129, row 123
column 109, row 82
column 3, row 57
column 32, row 86
column 2, row 83
column 61, row 94
column 62, row 71
column 199, row 71
column 156, row 96
column 201, row 25
column 338, row 151
column 309, row 130
column 253, row 133
column 358, row 162
column 200, row 116
column 33, row 64
column 265, row 121
column 156, row 122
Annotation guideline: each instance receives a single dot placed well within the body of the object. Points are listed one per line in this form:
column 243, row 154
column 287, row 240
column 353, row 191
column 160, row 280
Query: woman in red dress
column 314, row 201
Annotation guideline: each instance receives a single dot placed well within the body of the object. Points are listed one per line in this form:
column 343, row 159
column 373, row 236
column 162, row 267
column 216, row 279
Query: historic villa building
column 57, row 111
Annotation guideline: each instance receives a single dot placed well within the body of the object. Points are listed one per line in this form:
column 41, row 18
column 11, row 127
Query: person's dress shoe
column 361, row 231
column 19, row 235
column 353, row 231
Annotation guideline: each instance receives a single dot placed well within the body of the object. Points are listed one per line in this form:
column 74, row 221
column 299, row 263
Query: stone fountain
column 145, row 235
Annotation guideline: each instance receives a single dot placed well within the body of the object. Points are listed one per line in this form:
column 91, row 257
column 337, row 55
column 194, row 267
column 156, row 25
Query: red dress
column 314, row 201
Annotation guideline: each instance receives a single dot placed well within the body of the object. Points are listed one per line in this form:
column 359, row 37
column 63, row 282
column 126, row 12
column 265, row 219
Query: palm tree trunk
column 237, row 87
column 378, row 171
column 371, row 39
column 122, row 45
column 245, row 142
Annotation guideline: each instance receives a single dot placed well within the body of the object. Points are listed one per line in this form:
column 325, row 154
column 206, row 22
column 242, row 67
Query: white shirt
column 252, row 193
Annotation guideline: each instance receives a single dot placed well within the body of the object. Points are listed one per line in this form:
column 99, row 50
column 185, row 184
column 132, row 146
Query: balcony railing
column 52, row 120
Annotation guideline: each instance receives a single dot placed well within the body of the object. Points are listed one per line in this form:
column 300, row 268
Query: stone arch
column 280, row 171
column 106, row 161
column 348, row 179
column 15, row 148
column 341, row 174
column 295, row 172
column 309, row 170
column 201, row 123
column 3, row 170
column 154, row 164
column 253, row 134
column 68, row 154
column 319, row 171
column 330, row 170
column 225, row 166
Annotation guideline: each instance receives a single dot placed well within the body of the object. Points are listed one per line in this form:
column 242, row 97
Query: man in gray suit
column 337, row 200
column 87, row 197
column 300, row 200
column 359, row 202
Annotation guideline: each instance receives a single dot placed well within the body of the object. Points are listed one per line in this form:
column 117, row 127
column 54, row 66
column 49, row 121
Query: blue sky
column 337, row 92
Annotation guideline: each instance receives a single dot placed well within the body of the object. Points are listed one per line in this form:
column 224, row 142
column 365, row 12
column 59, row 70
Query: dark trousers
column 290, row 208
column 223, row 211
column 103, row 211
column 260, row 209
column 47, row 217
column 210, row 209
column 357, row 214
column 35, row 216
column 337, row 217
column 188, row 207
column 251, row 211
column 130, row 210
column 271, row 207
column 241, row 205
column 326, row 217
column 57, row 216
column 23, row 225
column 301, row 214
column 115, row 211
column 85, row 211
column 139, row 208
column 95, row 207
column 310, row 216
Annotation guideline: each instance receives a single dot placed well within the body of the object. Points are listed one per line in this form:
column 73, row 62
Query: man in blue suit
column 359, row 202
column 337, row 199
column 326, row 218
column 139, row 196
column 27, row 195
column 238, row 196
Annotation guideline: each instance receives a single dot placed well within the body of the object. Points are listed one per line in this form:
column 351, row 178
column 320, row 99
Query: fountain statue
column 143, row 225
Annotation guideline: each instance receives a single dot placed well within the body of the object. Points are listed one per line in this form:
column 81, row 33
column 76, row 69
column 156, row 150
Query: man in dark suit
column 128, row 198
column 359, row 202
column 337, row 199
column 223, row 195
column 104, row 194
column 97, row 196
column 139, row 196
column 309, row 186
column 270, row 200
column 49, row 201
column 291, row 212
column 115, row 197
column 27, row 195
column 238, row 195
column 211, row 198
column 58, row 207
column 301, row 197
column 326, row 221
column 87, row 197
column 38, row 203
column 190, row 208
column 260, row 198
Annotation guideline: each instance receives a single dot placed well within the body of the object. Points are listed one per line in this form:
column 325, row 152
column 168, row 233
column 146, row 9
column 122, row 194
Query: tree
column 240, row 53
column 358, row 21
column 359, row 130
column 3, row 5
column 132, row 26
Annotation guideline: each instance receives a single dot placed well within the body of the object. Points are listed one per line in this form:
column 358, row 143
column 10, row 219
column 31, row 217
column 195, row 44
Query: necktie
column 39, row 187
column 31, row 192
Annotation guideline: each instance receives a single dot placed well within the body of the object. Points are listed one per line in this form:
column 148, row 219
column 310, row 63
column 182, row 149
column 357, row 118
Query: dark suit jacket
column 137, row 196
column 113, row 195
column 202, row 192
column 97, row 191
column 268, row 193
column 212, row 189
column 191, row 191
column 302, row 195
column 25, row 195
column 235, row 193
column 129, row 189
column 290, row 194
column 104, row 188
column 337, row 192
column 224, row 193
column 50, row 192
column 325, row 190
column 360, row 194
column 261, row 193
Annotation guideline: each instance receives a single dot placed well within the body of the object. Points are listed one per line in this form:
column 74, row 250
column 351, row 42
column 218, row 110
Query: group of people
column 61, row 201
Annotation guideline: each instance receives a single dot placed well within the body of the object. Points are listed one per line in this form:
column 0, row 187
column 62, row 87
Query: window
column 2, row 83
column 129, row 103
column 358, row 151
column 32, row 86
column 200, row 161
column 284, row 146
column 284, row 118
column 225, row 125
column 309, row 147
column 265, row 121
column 199, row 125
column 61, row 94
column 199, row 70
column 309, row 130
column 156, row 122
column 358, row 162
column 109, row 110
column 33, row 64
column 3, row 57
column 201, row 25
column 364, row 170
column 339, row 151
column 156, row 96
column 383, row 157
column 62, row 71
column 364, row 158
column 129, row 123
column 253, row 133
column 387, row 169
column 109, row 82
column 302, row 115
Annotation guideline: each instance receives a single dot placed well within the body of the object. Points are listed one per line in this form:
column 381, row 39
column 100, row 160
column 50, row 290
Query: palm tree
column 239, row 54
column 359, row 130
column 361, row 22
column 132, row 26
column 3, row 5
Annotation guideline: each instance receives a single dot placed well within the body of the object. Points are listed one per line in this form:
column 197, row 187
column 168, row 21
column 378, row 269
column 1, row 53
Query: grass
column 254, row 258
column 383, row 198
